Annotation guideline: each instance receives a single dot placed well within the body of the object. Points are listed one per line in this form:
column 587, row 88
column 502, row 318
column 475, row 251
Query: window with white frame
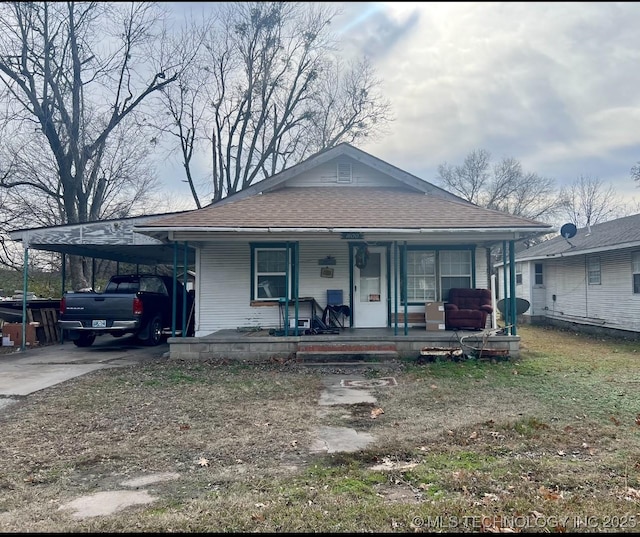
column 455, row 270
column 593, row 270
column 635, row 268
column 518, row 273
column 421, row 276
column 538, row 274
column 270, row 273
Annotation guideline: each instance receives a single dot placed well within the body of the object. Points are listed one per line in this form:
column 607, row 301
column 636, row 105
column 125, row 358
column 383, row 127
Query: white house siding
column 225, row 284
column 611, row 304
column 327, row 174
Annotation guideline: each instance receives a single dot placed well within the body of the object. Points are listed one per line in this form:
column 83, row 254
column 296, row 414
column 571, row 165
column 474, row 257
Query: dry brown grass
column 549, row 442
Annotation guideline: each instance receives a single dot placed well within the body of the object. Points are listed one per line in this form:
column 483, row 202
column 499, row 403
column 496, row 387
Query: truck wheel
column 155, row 332
column 85, row 340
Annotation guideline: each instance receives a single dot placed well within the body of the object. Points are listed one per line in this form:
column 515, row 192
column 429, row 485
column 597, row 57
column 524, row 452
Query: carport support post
column 25, row 282
column 512, row 263
column 64, row 284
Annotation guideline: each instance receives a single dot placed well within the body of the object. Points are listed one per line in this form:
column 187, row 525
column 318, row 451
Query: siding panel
column 327, row 175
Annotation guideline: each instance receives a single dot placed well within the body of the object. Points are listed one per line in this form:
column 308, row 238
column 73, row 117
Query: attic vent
column 344, row 172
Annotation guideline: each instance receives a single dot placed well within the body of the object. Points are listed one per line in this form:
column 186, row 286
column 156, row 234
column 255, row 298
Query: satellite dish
column 568, row 230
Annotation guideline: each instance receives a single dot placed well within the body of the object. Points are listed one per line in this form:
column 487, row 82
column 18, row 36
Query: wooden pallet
column 47, row 328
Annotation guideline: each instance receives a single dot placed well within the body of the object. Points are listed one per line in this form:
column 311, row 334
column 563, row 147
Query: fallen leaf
column 376, row 412
column 258, row 517
column 614, row 420
column 294, row 443
column 562, row 453
column 638, row 419
column 184, row 426
column 473, row 435
column 434, row 387
column 549, row 494
column 203, row 462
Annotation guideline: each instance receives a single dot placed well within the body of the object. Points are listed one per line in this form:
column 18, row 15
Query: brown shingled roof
column 344, row 207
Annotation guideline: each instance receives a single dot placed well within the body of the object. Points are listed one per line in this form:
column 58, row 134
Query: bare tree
column 275, row 93
column 635, row 172
column 588, row 201
column 75, row 77
column 503, row 186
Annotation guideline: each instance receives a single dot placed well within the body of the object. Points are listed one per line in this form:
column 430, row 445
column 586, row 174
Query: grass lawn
column 546, row 443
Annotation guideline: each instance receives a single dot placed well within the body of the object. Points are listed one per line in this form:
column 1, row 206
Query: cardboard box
column 14, row 332
column 434, row 311
column 433, row 326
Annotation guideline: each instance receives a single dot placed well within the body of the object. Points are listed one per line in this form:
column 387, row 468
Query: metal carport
column 115, row 240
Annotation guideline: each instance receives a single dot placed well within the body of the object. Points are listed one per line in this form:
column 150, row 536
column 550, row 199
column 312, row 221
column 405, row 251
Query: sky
column 554, row 85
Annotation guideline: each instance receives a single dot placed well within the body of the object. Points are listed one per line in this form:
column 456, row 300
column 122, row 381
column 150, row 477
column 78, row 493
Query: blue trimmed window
column 431, row 273
column 269, row 271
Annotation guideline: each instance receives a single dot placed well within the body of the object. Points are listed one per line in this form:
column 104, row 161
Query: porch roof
column 354, row 208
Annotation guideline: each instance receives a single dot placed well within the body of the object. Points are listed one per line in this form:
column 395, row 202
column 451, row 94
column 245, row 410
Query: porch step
column 346, row 352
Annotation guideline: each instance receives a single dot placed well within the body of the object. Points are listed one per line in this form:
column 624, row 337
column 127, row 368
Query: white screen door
column 370, row 290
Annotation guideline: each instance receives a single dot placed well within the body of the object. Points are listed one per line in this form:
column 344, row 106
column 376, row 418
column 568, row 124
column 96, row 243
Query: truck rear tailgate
column 98, row 310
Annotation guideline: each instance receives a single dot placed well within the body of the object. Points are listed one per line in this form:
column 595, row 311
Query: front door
column 370, row 288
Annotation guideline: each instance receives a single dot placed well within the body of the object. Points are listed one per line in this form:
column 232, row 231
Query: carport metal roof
column 106, row 239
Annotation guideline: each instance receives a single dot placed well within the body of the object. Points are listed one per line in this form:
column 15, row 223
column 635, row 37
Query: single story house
column 587, row 278
column 344, row 228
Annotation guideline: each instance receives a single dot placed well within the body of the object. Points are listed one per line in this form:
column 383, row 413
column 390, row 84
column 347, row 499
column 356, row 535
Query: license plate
column 99, row 323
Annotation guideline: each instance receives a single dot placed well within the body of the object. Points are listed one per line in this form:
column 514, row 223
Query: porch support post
column 64, row 284
column 396, row 264
column 296, row 284
column 512, row 263
column 25, row 288
column 505, row 278
column 93, row 273
column 404, row 288
column 175, row 289
column 185, row 262
column 286, row 291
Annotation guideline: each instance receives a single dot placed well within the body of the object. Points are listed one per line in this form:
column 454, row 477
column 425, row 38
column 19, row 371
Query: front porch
column 349, row 345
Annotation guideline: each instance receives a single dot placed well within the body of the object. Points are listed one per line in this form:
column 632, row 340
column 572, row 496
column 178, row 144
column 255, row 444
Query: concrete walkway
column 25, row 372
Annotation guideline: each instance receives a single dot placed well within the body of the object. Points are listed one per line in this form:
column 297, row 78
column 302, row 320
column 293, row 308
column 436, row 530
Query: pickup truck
column 140, row 304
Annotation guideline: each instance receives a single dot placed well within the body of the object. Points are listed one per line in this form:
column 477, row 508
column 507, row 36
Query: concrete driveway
column 22, row 373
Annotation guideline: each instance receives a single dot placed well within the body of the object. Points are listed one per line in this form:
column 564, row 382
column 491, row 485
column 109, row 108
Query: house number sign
column 353, row 235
